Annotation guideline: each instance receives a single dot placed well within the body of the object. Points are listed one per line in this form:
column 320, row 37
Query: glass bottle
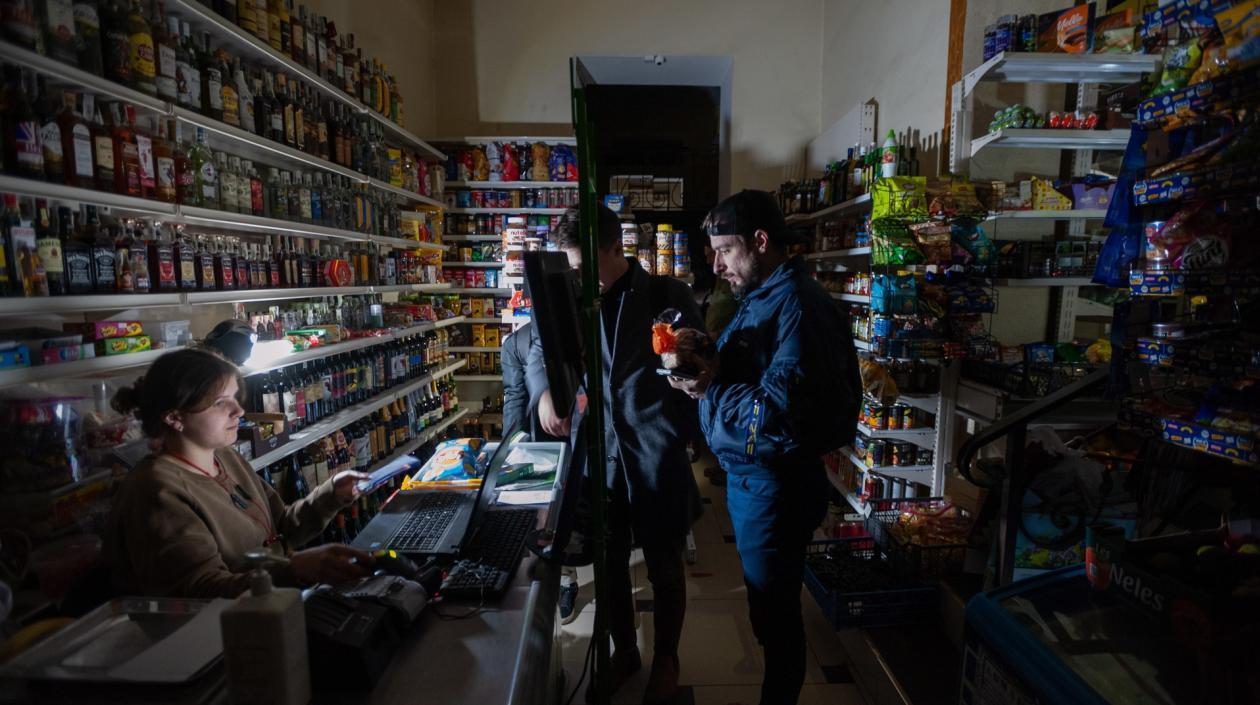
column 77, row 254
column 20, row 25
column 57, row 23
column 212, row 80
column 76, row 143
column 244, row 98
column 166, row 41
column 163, row 269
column 23, row 154
column 205, row 191
column 126, row 156
column 142, row 51
column 49, row 134
column 164, row 165
column 116, row 45
column 48, row 246
column 185, row 261
column 187, row 76
column 207, row 279
column 185, row 176
column 103, row 158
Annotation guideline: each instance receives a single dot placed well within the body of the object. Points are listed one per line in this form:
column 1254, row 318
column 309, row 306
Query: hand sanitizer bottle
column 264, row 642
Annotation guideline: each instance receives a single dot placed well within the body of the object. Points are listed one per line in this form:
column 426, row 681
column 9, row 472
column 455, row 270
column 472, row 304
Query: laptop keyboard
column 494, row 552
column 430, row 517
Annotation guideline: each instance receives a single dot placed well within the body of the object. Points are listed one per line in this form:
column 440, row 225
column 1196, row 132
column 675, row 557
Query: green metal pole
column 594, row 425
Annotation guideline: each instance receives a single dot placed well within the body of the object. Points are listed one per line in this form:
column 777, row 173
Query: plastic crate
column 909, row 560
column 882, row 601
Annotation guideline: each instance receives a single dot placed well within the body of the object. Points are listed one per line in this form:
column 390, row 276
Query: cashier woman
column 184, row 518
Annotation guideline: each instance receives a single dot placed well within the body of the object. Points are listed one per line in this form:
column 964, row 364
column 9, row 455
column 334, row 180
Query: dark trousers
column 774, row 514
column 665, row 569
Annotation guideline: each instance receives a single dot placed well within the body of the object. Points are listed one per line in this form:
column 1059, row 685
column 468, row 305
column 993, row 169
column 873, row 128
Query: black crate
column 908, row 560
column 855, row 588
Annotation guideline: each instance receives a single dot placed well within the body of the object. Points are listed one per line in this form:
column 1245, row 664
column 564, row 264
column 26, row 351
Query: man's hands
column 346, row 485
column 551, row 421
column 331, row 563
column 696, row 388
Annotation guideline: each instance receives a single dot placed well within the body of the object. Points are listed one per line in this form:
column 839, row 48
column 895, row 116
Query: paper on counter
column 525, row 497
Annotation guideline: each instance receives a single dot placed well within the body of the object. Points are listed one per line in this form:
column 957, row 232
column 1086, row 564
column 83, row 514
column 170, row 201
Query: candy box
column 1155, row 351
column 1046, row 198
column 15, row 355
column 492, row 337
column 1213, row 441
column 100, row 330
column 123, row 346
column 1069, row 31
column 1092, row 197
column 1157, row 283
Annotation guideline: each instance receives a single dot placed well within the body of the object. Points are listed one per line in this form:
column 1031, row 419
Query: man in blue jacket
column 783, row 390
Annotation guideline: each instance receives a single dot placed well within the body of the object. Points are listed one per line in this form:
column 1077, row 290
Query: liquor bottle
column 49, row 134
column 142, row 56
column 126, row 155
column 126, row 280
column 228, row 97
column 241, row 259
column 273, row 125
column 322, row 148
column 104, row 279
column 187, row 74
column 206, row 175
column 144, row 151
column 164, row 165
column 261, row 28
column 87, row 28
column 23, row 154
column 246, row 18
column 23, row 242
column 273, row 25
column 103, row 158
column 185, row 261
column 48, row 245
column 299, row 116
column 185, row 174
column 76, row 144
column 293, row 195
column 257, row 205
column 163, row 270
column 228, row 198
column 224, row 266
column 285, row 26
column 166, row 41
column 244, row 97
column 116, row 45
column 212, row 79
column 273, row 269
column 206, row 278
column 57, row 23
column 351, row 63
column 297, row 33
column 20, row 24
column 76, row 255
column 296, row 486
column 312, row 46
column 304, row 197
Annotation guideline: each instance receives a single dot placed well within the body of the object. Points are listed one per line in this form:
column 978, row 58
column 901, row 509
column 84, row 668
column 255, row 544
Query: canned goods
column 466, row 254
column 924, row 456
column 463, row 199
column 876, row 451
column 859, row 445
column 908, row 418
column 504, row 200
column 629, row 237
column 665, row 263
column 478, row 199
column 527, row 198
column 540, row 198
column 893, row 413
column 682, row 265
column 516, row 199
column 680, row 242
column 646, row 260
column 904, row 454
column 878, row 417
column 492, row 278
column 665, row 238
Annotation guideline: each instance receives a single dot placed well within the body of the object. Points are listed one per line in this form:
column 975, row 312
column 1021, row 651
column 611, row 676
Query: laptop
column 434, row 522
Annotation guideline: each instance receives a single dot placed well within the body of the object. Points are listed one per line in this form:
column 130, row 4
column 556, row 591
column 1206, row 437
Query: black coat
column 648, row 423
column 524, row 381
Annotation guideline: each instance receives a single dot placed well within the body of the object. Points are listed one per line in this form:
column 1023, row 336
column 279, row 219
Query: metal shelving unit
column 473, row 349
column 851, row 298
column 857, row 204
column 424, row 436
column 472, row 238
column 1046, row 281
column 476, row 265
column 507, row 211
column 80, row 368
column 311, row 434
column 511, row 184
column 864, row 510
column 478, row 378
column 481, row 291
column 839, row 254
column 1026, row 138
column 323, row 351
column 1047, row 215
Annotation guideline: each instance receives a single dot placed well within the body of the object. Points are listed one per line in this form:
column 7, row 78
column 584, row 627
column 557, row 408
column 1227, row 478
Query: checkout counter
column 501, row 654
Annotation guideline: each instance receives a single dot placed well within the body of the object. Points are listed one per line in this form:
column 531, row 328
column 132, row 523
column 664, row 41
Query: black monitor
column 552, row 286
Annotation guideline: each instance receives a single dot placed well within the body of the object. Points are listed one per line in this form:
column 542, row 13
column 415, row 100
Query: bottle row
column 51, row 249
column 140, row 45
column 361, row 444
column 309, row 392
column 65, row 138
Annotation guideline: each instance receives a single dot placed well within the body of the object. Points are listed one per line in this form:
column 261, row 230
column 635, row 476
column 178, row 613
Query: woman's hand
column 331, row 563
column 346, row 485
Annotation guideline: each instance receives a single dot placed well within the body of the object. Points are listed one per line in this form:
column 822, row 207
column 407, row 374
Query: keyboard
column 493, row 555
column 429, row 519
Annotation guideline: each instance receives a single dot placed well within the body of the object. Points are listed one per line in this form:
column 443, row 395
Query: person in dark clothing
column 653, row 498
column 783, row 390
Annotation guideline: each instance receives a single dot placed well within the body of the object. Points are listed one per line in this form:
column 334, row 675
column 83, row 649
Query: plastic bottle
column 264, row 642
column 888, row 156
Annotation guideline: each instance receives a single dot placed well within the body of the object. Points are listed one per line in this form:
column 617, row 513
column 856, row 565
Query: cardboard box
column 101, row 330
column 265, row 432
column 1091, row 197
column 964, row 494
column 1157, row 283
column 123, row 346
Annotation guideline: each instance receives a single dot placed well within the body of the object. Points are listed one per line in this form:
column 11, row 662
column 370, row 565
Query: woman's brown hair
column 182, row 380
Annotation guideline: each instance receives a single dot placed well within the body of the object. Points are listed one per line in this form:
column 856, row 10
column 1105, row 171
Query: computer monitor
column 553, row 293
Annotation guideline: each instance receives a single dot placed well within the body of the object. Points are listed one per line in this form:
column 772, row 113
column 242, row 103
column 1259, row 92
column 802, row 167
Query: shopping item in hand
column 682, row 350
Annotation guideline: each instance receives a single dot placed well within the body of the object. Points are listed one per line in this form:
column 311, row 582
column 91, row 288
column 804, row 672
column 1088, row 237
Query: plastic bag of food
column 1240, row 29
column 454, row 459
column 899, row 198
column 1180, row 63
column 934, row 240
column 891, row 243
column 681, row 348
column 971, row 239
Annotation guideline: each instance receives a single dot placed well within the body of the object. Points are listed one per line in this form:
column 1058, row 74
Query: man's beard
column 750, row 283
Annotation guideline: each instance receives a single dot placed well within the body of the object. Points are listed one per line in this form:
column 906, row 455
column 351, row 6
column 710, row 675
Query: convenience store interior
column 1039, row 217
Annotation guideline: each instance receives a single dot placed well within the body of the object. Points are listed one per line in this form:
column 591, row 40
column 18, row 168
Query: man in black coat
column 653, row 495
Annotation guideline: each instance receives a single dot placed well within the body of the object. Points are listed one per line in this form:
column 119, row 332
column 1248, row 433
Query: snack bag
column 1240, row 28
column 495, row 159
column 899, row 198
column 974, row 242
column 465, row 165
column 511, row 165
column 542, row 162
column 1116, row 33
column 480, row 165
column 454, row 459
column 876, row 382
column 891, row 244
column 1180, row 63
column 934, row 241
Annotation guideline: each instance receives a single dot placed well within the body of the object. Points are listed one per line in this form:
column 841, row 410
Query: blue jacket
column 788, row 388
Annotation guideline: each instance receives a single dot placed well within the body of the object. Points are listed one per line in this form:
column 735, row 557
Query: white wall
column 503, row 67
column 896, row 52
column 399, row 33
